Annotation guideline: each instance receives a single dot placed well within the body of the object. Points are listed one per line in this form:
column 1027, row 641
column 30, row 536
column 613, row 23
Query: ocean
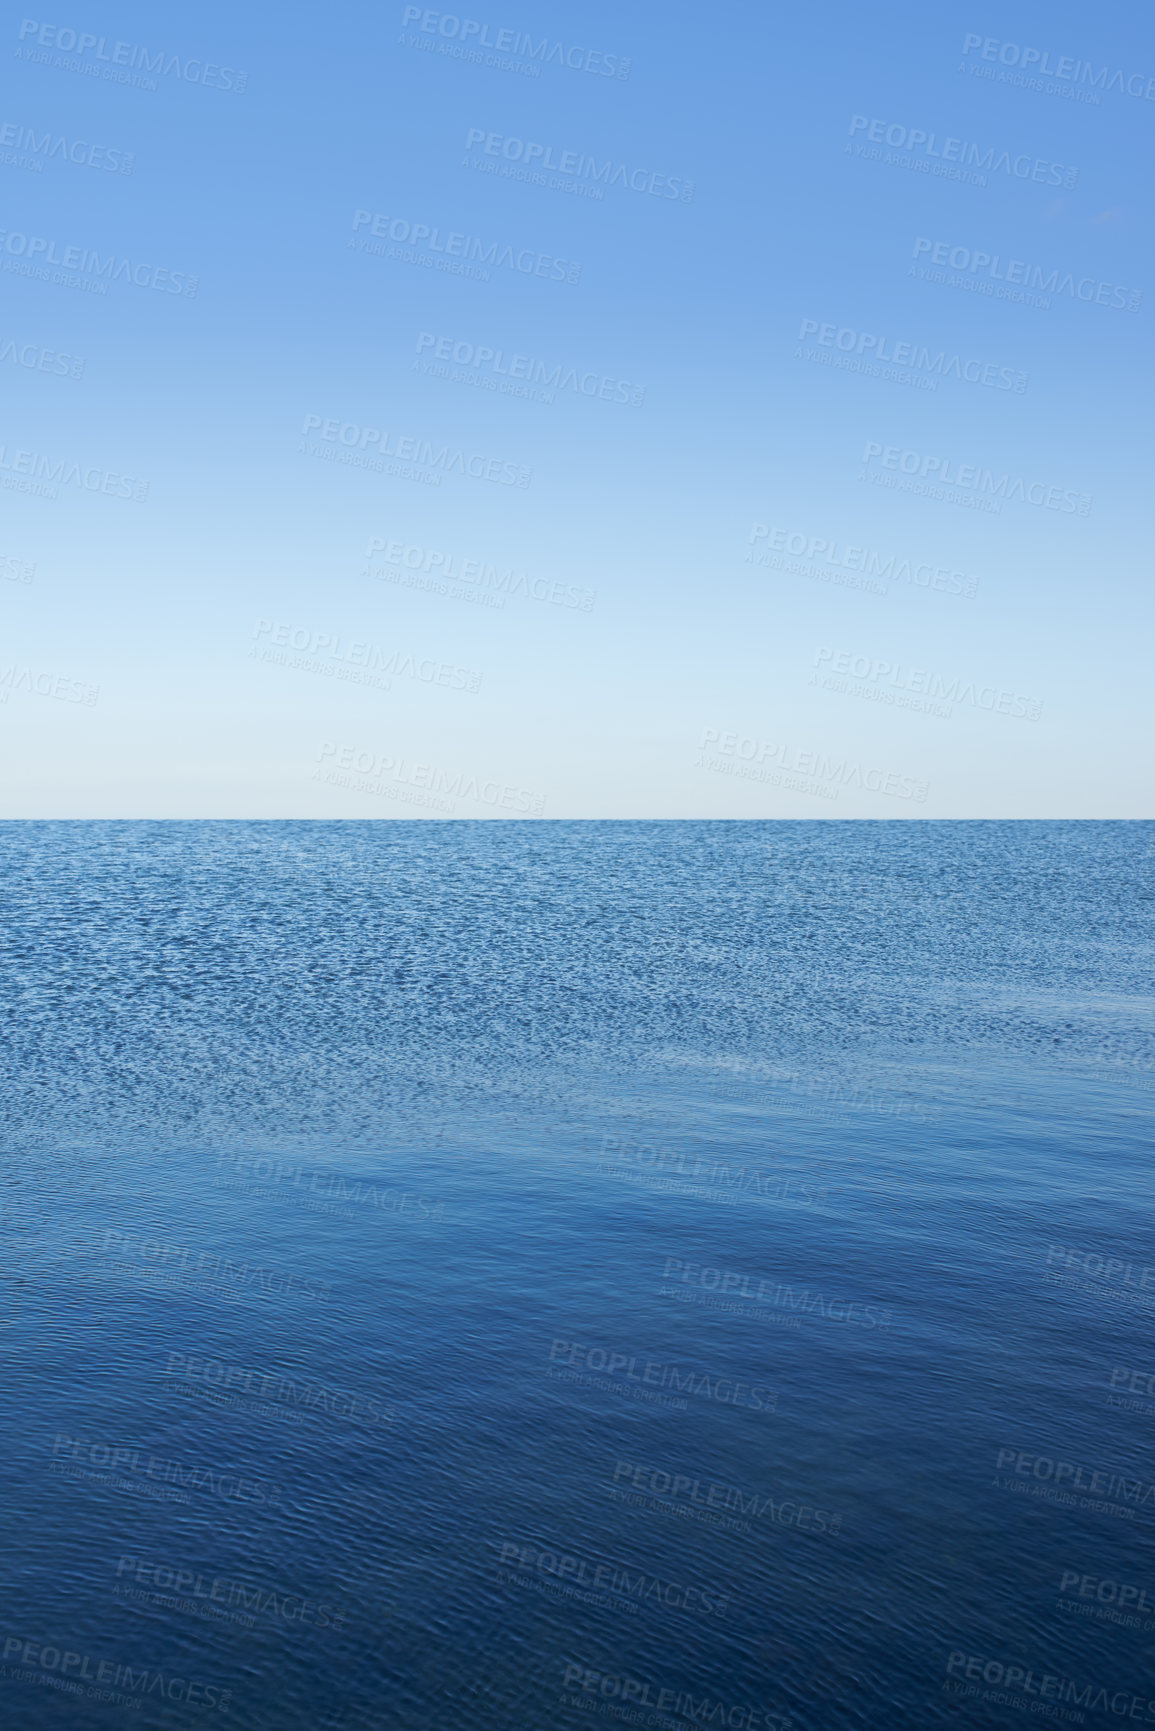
column 498, row 1276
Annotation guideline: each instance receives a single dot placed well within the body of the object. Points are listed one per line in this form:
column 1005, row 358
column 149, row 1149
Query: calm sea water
column 505, row 1276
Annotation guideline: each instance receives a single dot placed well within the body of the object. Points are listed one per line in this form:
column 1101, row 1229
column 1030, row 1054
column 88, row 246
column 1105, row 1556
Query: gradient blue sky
column 598, row 710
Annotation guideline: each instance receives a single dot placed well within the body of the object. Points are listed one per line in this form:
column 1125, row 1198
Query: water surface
column 495, row 1275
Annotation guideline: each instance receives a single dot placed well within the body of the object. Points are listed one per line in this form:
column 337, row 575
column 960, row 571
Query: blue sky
column 576, row 414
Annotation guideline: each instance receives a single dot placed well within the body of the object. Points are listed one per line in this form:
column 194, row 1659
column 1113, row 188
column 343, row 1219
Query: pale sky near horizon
column 576, row 412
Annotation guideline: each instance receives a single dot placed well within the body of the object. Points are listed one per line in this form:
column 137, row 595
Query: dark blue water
column 500, row 1276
